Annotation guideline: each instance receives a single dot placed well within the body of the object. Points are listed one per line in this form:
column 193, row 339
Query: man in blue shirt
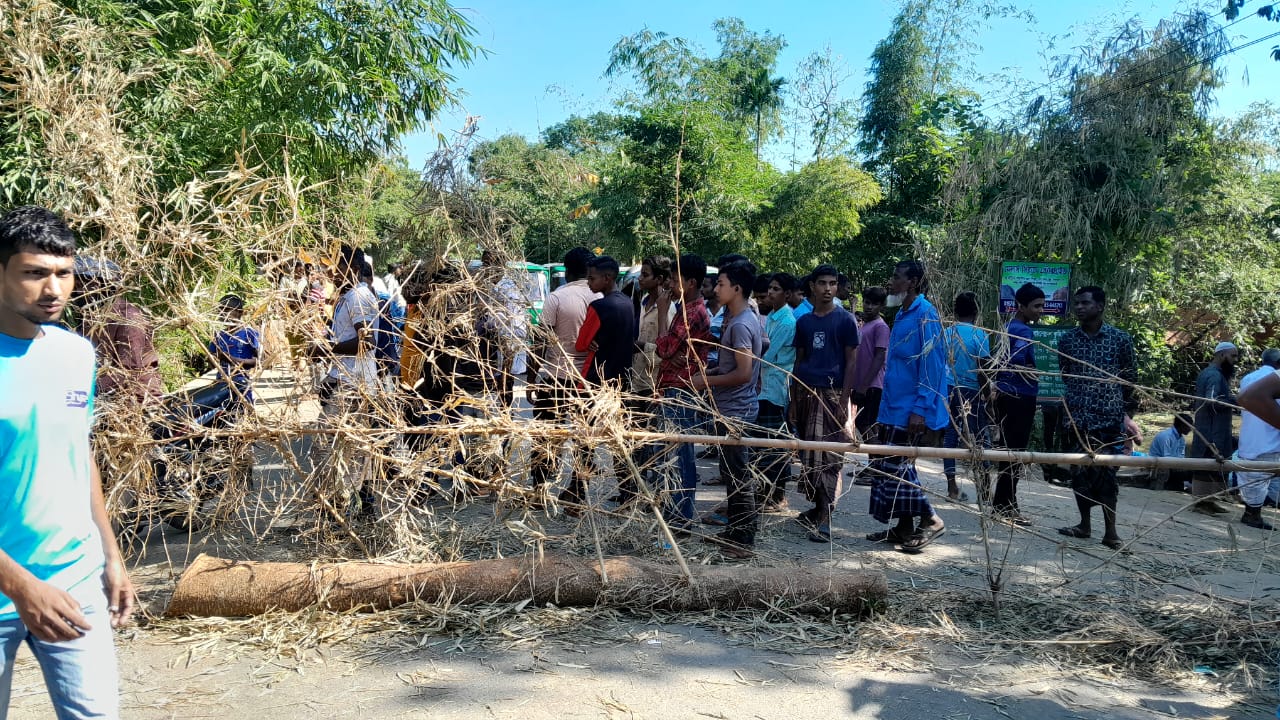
column 914, row 404
column 775, row 376
column 1017, row 385
column 63, row 585
column 236, row 348
column 968, row 349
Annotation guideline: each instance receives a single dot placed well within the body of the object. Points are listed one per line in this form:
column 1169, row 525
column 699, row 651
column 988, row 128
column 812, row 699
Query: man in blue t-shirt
column 826, row 341
column 968, row 350
column 733, row 382
column 63, row 585
column 236, row 348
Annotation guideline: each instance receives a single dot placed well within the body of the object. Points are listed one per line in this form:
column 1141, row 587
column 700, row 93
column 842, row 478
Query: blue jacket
column 915, row 376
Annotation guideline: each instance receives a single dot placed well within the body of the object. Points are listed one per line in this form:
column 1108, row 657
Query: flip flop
column 1114, row 544
column 964, row 498
column 820, row 534
column 921, row 539
column 1075, row 532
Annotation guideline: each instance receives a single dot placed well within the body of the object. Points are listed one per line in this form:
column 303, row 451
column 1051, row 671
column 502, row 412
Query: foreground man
column 63, row 582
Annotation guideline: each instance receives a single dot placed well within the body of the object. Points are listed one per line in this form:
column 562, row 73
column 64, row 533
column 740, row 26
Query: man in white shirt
column 347, row 390
column 1258, row 441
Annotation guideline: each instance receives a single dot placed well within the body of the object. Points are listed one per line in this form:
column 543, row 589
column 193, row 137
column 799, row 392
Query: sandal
column 1113, row 543
column 921, row 539
column 820, row 534
column 1075, row 531
column 963, row 497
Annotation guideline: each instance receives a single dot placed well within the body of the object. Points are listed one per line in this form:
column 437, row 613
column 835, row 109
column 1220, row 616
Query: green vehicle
column 536, row 286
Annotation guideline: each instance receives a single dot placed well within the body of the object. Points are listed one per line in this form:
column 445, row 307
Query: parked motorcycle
column 197, row 464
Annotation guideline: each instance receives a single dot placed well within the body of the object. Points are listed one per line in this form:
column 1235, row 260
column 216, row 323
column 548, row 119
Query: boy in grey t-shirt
column 733, row 383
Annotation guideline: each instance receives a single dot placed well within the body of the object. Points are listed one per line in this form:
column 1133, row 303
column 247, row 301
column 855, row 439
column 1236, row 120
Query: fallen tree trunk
column 214, row 586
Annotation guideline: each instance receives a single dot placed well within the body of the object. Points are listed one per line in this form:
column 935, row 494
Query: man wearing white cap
column 1214, row 407
column 1258, row 441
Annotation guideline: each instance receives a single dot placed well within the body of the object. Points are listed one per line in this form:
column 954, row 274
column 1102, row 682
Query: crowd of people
column 736, row 352
column 730, row 352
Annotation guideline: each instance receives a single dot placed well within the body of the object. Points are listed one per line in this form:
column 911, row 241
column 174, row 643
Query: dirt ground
column 940, row 650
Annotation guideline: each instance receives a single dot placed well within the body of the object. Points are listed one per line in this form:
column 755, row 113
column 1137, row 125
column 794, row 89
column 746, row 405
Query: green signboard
column 1053, row 278
column 1051, row 385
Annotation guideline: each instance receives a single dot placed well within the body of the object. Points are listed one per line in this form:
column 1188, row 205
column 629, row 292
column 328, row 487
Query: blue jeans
column 80, row 674
column 679, row 409
column 968, row 415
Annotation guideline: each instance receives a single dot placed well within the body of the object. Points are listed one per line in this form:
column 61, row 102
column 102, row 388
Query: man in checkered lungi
column 913, row 410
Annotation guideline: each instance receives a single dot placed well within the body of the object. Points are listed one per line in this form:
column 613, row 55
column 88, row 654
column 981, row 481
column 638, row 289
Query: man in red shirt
column 683, row 344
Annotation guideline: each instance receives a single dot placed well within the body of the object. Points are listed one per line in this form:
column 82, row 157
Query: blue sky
column 547, row 58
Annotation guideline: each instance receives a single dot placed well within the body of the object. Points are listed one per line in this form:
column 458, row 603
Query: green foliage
column 815, row 215
column 683, row 174
column 325, row 88
column 535, row 190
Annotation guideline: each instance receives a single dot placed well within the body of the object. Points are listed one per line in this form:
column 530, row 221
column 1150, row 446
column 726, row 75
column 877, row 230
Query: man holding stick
column 1099, row 368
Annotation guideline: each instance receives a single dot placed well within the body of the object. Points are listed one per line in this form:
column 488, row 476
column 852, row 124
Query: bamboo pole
column 976, row 454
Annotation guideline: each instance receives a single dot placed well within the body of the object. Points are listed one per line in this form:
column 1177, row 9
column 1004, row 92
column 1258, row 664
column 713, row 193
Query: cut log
column 214, row 586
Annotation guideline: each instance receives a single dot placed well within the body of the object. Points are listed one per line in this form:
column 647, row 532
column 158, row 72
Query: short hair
column 692, row 267
column 605, row 265
column 842, row 280
column 231, row 301
column 742, row 274
column 1096, row 293
column 1271, row 357
column 786, row 281
column 823, row 269
column 966, row 304
column 1183, row 419
column 914, row 270
column 575, row 261
column 1028, row 294
column 875, row 295
column 392, row 267
column 762, row 283
column 659, row 265
column 732, row 258
column 803, row 287
column 35, row 228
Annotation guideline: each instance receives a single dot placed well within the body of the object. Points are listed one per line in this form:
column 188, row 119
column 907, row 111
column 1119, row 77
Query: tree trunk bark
column 214, row 586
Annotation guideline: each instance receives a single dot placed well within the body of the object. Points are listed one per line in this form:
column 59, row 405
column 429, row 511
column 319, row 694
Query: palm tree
column 760, row 96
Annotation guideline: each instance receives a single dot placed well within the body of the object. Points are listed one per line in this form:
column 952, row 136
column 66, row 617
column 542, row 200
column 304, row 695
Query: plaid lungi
column 817, row 415
column 896, row 491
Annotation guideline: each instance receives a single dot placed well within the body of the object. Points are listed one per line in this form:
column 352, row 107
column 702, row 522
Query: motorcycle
column 196, row 463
